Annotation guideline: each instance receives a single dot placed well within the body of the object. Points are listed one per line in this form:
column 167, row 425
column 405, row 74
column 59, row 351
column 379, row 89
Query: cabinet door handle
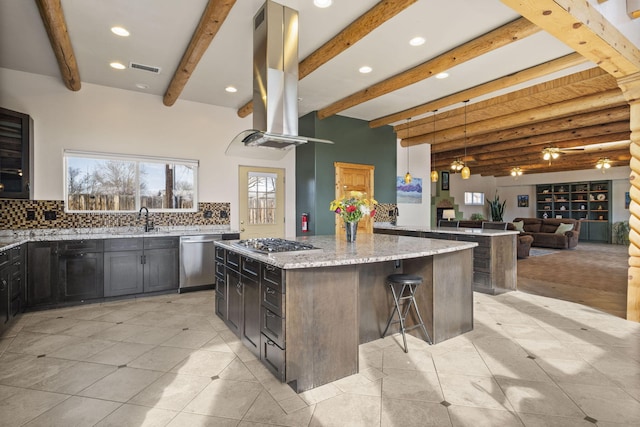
column 4, row 285
column 271, row 291
column 270, row 267
column 271, row 343
column 239, row 288
column 270, row 314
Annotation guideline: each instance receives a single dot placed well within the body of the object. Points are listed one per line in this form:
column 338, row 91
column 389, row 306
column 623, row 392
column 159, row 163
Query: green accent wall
column 354, row 142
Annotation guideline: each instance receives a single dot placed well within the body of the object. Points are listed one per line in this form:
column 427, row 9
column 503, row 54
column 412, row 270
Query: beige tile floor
column 168, row 361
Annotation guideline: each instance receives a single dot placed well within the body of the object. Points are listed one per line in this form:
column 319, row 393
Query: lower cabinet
column 161, row 267
column 123, row 267
column 250, row 300
column 80, row 270
column 4, row 297
column 42, row 282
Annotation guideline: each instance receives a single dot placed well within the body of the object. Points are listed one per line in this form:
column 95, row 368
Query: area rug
column 541, row 252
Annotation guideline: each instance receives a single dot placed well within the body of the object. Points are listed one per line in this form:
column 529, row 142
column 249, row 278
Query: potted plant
column 477, row 217
column 497, row 208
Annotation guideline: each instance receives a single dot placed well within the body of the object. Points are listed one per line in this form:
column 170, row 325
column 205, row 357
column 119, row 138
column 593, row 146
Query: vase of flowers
column 351, row 208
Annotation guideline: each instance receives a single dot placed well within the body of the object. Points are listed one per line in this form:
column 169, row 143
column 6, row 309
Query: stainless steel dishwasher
column 197, row 262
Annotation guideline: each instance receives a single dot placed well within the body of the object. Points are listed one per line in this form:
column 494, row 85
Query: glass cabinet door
column 16, row 145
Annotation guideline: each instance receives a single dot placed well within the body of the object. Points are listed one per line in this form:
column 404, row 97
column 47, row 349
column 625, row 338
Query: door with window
column 261, row 204
column 354, row 177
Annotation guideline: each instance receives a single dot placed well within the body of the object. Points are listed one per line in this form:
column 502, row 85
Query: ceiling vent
column 149, row 68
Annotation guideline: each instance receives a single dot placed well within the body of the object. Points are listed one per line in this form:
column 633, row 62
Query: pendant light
column 516, row 172
column 407, row 176
column 603, row 163
column 466, row 172
column 434, row 173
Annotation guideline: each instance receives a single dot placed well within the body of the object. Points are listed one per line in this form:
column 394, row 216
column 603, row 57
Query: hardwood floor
column 592, row 274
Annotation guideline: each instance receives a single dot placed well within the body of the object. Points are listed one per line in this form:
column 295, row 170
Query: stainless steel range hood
column 275, row 87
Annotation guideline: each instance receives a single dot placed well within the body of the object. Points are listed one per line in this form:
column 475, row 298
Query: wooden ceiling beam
column 212, row 18
column 56, row 26
column 587, row 124
column 579, row 84
column 500, row 37
column 581, row 27
column 556, row 166
column 523, row 76
column 350, row 35
column 570, row 107
column 442, row 159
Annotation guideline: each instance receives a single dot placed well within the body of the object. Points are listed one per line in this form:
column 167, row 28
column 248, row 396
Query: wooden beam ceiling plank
column 54, row 22
column 584, row 29
column 350, row 35
column 537, row 71
column 573, row 106
column 592, row 123
column 212, row 19
column 568, row 87
column 502, row 36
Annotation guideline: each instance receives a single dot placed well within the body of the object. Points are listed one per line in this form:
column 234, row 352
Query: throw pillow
column 518, row 225
column 563, row 228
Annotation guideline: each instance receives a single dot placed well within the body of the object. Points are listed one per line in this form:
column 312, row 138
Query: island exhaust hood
column 275, row 87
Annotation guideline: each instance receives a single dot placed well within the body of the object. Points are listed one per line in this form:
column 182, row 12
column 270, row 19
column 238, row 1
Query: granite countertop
column 446, row 230
column 368, row 248
column 12, row 238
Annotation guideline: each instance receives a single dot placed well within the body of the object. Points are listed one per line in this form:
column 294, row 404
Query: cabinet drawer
column 233, row 261
column 272, row 299
column 221, row 287
column 273, row 326
column 4, row 258
column 129, row 244
column 220, row 254
column 160, row 242
column 273, row 277
column 219, row 269
column 250, row 267
column 273, row 357
column 16, row 253
column 78, row 246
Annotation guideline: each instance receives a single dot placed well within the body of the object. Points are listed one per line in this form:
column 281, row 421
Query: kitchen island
column 495, row 267
column 305, row 313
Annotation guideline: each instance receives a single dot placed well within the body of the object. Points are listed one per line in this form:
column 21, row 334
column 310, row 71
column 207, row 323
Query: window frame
column 137, row 159
column 472, row 193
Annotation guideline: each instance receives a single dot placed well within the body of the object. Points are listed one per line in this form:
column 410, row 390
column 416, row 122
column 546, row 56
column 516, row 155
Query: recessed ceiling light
column 365, row 69
column 231, row 89
column 322, row 3
column 142, row 86
column 117, row 66
column 417, row 41
column 119, row 31
column 442, row 75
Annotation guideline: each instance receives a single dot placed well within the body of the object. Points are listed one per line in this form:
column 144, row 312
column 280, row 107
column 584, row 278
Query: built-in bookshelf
column 589, row 202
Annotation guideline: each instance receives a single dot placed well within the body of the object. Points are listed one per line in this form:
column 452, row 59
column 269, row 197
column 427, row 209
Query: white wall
column 98, row 118
column 414, row 160
column 476, row 183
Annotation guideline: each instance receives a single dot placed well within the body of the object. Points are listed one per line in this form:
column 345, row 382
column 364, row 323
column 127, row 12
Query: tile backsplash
column 45, row 214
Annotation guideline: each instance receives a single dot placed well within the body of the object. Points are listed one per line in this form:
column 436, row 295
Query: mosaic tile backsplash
column 45, row 214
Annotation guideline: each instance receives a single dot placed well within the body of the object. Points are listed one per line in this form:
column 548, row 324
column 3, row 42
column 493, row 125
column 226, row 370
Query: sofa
column 544, row 233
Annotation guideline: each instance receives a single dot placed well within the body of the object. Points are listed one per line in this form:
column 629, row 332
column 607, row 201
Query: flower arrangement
column 353, row 206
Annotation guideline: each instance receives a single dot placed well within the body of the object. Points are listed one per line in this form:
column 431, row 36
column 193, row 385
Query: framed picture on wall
column 445, row 181
column 523, row 201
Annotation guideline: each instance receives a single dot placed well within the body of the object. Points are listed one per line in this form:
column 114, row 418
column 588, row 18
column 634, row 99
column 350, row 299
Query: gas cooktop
column 268, row 245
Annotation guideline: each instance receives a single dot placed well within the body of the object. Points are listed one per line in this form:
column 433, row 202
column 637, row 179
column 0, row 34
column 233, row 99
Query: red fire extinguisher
column 305, row 222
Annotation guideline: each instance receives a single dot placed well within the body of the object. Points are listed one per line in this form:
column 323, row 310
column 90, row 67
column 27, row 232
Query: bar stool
column 403, row 288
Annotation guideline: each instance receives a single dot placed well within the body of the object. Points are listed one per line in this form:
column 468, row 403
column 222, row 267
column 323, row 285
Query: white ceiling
column 161, row 30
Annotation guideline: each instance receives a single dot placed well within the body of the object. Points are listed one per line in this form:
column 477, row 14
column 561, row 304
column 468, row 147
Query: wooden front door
column 354, row 177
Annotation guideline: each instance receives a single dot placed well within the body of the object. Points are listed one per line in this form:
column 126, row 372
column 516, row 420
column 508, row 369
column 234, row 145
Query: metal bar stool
column 407, row 284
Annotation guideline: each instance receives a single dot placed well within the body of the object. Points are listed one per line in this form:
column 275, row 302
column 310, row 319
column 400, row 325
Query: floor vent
column 151, row 69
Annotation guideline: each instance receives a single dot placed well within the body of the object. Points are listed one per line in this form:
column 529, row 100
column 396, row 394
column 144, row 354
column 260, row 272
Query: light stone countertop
column 368, row 248
column 446, row 230
column 12, row 238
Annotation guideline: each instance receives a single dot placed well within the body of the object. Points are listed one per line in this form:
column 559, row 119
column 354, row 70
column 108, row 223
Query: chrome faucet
column 148, row 226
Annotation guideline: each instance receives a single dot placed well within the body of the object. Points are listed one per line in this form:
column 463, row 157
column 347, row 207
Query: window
column 262, row 198
column 114, row 183
column 471, row 198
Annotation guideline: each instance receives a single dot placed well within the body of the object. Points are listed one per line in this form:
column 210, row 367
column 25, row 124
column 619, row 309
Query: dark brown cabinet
column 80, row 270
column 123, row 266
column 42, row 283
column 250, row 330
column 161, row 264
column 13, row 274
column 16, row 148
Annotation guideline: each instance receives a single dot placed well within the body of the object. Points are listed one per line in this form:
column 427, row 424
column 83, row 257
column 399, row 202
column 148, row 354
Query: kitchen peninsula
column 305, row 313
column 494, row 259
